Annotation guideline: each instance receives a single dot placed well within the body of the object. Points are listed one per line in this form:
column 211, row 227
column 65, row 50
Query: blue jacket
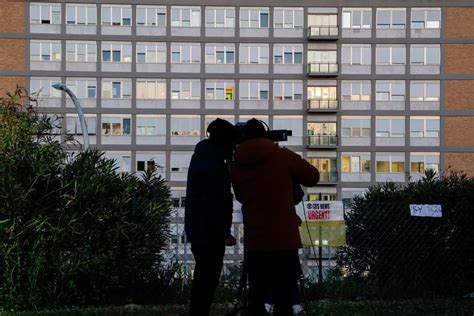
column 208, row 210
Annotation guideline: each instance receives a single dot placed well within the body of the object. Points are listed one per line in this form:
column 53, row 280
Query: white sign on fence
column 322, row 211
column 426, row 210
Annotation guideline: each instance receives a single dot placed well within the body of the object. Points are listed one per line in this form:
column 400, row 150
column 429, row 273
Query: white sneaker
column 269, row 308
column 298, row 309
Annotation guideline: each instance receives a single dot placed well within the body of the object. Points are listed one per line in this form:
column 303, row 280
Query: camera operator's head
column 253, row 129
column 222, row 136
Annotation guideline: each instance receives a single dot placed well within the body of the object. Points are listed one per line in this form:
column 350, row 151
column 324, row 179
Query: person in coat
column 264, row 176
column 208, row 212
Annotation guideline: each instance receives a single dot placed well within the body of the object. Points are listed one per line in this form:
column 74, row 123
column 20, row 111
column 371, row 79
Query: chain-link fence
column 389, row 249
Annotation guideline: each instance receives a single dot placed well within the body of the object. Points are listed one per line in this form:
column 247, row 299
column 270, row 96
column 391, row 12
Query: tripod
column 241, row 297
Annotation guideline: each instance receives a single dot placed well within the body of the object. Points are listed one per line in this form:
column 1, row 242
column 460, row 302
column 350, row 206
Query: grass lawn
column 326, row 307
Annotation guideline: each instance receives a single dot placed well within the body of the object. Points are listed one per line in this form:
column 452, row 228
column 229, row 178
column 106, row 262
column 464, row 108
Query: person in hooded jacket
column 208, row 212
column 263, row 177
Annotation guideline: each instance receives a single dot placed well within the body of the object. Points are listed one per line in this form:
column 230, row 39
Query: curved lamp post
column 77, row 105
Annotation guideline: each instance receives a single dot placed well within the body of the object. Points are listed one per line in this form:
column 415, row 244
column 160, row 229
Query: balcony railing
column 323, row 105
column 323, row 32
column 323, row 69
column 331, row 176
column 320, row 141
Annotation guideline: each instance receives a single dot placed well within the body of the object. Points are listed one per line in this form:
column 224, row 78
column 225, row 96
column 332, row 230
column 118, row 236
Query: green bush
column 73, row 231
column 404, row 256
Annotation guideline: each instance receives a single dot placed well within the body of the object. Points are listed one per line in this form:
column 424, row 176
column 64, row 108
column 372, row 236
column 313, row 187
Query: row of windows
column 356, row 163
column 223, row 89
column 190, row 125
column 190, row 53
column 224, row 17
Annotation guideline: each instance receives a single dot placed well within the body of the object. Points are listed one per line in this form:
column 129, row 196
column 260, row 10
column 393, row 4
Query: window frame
column 295, row 49
column 391, row 134
column 391, row 95
column 391, row 24
column 146, row 46
column 391, row 55
column 353, row 47
column 123, row 17
column 260, row 88
column 157, row 83
column 51, row 14
column 294, row 89
column 212, row 84
column 351, row 12
column 193, row 50
column 158, row 10
column 181, row 92
column 192, row 22
column 214, row 11
column 361, row 84
column 293, row 13
column 76, row 7
column 260, row 12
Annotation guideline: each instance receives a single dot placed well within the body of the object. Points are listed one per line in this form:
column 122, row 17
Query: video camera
column 279, row 135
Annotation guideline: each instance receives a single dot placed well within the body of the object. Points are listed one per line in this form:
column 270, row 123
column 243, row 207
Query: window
column 424, row 91
column 73, row 125
column 429, row 18
column 322, row 61
column 390, row 90
column 151, row 89
column 220, row 17
column 288, row 18
column 116, row 15
column 116, row 52
column 254, row 18
column 391, row 18
column 253, row 54
column 356, row 54
column 355, row 127
column 322, row 197
column 356, row 18
column 185, row 17
column 151, row 16
column 319, row 129
column 42, row 87
column 85, row 52
column 425, row 55
column 287, row 54
column 116, row 125
column 287, row 90
column 356, row 163
column 151, row 161
column 151, row 53
column 322, row 93
column 219, row 54
column 123, row 160
column 81, row 14
column 185, row 89
column 322, row 20
column 220, row 90
column 116, row 89
column 151, row 125
column 253, row 90
column 185, row 53
column 391, row 55
column 83, row 88
column 180, row 162
column 185, row 125
column 420, row 162
column 390, row 163
column 389, row 127
column 356, row 90
column 424, row 126
column 45, row 51
column 45, row 13
column 290, row 122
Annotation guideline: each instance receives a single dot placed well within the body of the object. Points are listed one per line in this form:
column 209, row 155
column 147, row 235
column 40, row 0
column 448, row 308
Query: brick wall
column 460, row 162
column 12, row 16
column 459, row 58
column 12, row 54
column 459, row 131
column 459, row 22
column 458, row 94
column 8, row 84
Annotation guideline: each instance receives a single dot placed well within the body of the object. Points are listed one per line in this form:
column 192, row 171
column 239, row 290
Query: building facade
column 373, row 91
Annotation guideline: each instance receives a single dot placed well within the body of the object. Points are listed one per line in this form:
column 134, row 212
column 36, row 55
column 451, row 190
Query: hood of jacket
column 204, row 149
column 254, row 152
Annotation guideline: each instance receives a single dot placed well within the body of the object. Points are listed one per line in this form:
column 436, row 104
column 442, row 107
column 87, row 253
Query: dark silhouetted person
column 264, row 177
column 208, row 212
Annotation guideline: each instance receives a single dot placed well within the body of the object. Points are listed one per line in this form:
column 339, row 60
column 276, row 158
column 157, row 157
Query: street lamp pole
column 77, row 105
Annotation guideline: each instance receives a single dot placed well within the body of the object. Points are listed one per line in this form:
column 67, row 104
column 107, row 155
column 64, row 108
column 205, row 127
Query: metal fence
column 387, row 247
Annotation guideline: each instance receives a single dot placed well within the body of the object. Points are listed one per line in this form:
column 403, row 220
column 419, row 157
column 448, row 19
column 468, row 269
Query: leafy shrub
column 72, row 231
column 405, row 256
